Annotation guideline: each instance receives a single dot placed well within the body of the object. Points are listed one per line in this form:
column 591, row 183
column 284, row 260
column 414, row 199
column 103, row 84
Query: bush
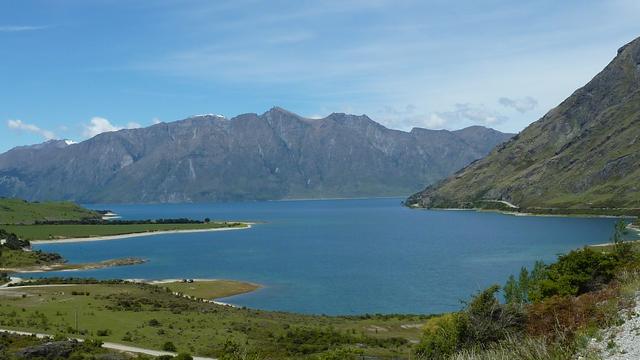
column 168, row 346
column 103, row 332
column 441, row 336
column 560, row 317
column 488, row 321
column 484, row 321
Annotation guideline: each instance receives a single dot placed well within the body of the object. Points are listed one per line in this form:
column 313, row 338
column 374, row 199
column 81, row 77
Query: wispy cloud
column 476, row 114
column 521, row 105
column 19, row 125
column 463, row 114
column 20, row 28
column 98, row 125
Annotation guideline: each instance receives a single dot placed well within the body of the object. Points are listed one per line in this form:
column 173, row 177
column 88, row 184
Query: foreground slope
column 585, row 153
column 271, row 156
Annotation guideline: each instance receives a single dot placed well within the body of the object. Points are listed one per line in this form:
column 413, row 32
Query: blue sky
column 71, row 69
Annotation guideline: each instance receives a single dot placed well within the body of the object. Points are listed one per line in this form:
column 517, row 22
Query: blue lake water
column 342, row 256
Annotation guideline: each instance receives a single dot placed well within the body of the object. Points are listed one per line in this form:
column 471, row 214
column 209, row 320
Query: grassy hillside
column 16, row 211
column 585, row 153
column 149, row 316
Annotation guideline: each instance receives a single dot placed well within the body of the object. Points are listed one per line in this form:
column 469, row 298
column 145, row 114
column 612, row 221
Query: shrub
column 488, row 321
column 441, row 336
column 103, row 332
column 560, row 317
column 168, row 346
column 484, row 321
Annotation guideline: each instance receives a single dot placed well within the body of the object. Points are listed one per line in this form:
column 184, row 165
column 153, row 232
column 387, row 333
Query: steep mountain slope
column 585, row 153
column 271, row 156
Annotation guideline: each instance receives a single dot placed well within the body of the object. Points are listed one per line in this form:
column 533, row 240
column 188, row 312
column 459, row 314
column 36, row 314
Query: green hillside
column 16, row 211
column 583, row 154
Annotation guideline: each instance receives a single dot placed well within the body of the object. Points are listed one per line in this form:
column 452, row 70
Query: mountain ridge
column 584, row 153
column 275, row 155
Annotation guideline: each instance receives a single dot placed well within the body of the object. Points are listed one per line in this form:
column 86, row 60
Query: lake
column 342, row 256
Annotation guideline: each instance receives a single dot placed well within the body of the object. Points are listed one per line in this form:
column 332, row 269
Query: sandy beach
column 126, row 236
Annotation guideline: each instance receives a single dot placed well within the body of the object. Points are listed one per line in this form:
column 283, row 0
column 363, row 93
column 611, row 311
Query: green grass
column 211, row 289
column 51, row 232
column 16, row 211
column 147, row 316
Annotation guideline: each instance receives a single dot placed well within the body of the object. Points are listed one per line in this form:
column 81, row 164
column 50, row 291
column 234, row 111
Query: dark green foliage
column 120, row 222
column 488, row 321
column 575, row 273
column 168, row 346
column 12, row 241
column 103, row 332
column 483, row 322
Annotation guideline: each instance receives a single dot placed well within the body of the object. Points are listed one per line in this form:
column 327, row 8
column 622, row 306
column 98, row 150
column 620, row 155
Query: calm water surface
column 342, row 256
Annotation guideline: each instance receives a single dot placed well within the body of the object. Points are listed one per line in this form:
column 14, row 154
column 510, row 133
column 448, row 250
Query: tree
column 622, row 249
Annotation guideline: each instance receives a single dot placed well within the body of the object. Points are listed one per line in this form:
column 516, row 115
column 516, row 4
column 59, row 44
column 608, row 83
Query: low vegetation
column 149, row 316
column 549, row 312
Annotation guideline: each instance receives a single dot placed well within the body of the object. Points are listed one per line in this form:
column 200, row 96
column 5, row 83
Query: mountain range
column 585, row 153
column 275, row 155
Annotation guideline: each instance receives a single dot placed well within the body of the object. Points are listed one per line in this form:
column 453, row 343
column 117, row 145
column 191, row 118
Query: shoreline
column 64, row 267
column 516, row 213
column 132, row 235
column 162, row 282
column 630, row 227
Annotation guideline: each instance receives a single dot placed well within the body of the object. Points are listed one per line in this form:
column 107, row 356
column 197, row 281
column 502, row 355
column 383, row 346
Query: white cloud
column 19, row 125
column 98, row 125
column 475, row 114
column 156, row 121
column 521, row 105
column 464, row 114
column 14, row 28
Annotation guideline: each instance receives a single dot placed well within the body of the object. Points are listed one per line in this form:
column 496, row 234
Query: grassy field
column 52, row 232
column 210, row 289
column 16, row 211
column 23, row 259
column 148, row 316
